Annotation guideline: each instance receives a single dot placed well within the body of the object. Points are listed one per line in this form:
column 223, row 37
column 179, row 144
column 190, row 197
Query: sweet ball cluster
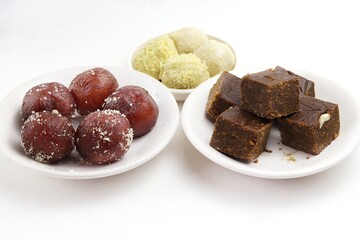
column 111, row 117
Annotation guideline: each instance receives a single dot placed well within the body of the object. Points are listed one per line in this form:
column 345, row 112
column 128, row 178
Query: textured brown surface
column 103, row 137
column 47, row 137
column 302, row 130
column 307, row 87
column 224, row 94
column 270, row 93
column 240, row 134
column 47, row 97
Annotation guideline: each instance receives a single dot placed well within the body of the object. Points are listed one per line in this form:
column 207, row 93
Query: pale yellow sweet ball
column 184, row 71
column 218, row 56
column 154, row 53
column 188, row 39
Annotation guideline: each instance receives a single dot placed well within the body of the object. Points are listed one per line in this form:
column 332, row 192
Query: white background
column 179, row 194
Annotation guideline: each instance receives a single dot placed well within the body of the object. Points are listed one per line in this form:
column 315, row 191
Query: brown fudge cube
column 313, row 128
column 307, row 87
column 225, row 93
column 240, row 135
column 270, row 93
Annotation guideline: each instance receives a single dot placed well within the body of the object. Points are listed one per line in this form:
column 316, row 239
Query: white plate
column 179, row 94
column 283, row 162
column 141, row 150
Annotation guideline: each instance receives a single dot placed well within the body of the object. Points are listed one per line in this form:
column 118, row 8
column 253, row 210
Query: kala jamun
column 47, row 137
column 137, row 105
column 103, row 137
column 91, row 87
column 48, row 96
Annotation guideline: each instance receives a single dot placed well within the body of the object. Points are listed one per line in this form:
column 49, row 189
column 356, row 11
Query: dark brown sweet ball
column 48, row 97
column 91, row 87
column 103, row 137
column 137, row 104
column 47, row 137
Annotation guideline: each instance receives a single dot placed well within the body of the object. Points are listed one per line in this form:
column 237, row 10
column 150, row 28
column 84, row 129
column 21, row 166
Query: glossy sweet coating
column 103, row 137
column 91, row 87
column 48, row 96
column 47, row 137
column 138, row 106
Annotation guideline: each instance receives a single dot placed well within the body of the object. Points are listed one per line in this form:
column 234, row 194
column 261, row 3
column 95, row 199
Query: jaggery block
column 240, row 135
column 270, row 93
column 311, row 129
column 307, row 87
column 224, row 93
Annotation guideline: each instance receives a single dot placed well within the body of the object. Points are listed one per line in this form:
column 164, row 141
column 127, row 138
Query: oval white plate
column 283, row 162
column 141, row 150
column 179, row 94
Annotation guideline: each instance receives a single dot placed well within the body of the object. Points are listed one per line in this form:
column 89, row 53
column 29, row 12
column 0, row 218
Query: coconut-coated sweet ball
column 188, row 39
column 137, row 105
column 48, row 96
column 103, row 137
column 217, row 55
column 152, row 54
column 47, row 137
column 91, row 87
column 184, row 71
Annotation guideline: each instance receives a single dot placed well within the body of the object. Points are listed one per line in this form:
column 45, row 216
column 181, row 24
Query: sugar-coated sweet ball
column 91, row 87
column 218, row 56
column 47, row 137
column 137, row 105
column 103, row 137
column 48, row 96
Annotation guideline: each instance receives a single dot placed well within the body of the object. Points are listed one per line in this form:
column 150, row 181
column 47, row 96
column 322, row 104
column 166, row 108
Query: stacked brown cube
column 244, row 108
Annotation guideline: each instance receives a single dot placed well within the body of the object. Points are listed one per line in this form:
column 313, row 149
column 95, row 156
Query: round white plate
column 179, row 94
column 141, row 150
column 283, row 162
